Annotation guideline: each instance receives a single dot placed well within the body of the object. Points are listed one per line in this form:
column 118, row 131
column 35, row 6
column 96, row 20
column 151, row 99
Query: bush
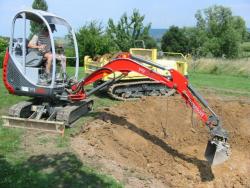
column 3, row 46
column 247, row 37
column 245, row 49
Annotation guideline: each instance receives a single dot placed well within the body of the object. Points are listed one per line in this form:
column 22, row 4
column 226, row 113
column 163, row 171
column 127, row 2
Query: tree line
column 218, row 33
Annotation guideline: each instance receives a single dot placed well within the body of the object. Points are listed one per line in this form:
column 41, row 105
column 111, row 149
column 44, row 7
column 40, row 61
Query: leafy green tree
column 195, row 39
column 174, row 40
column 247, row 38
column 224, row 32
column 3, row 46
column 40, row 5
column 128, row 30
column 217, row 33
column 92, row 40
column 150, row 42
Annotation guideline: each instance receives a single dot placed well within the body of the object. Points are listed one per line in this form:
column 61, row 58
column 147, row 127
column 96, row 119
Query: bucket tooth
column 217, row 152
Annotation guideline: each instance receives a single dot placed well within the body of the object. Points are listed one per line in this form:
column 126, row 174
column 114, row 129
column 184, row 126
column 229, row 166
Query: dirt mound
column 158, row 142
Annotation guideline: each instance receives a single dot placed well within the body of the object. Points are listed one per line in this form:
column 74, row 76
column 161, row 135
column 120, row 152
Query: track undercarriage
column 48, row 116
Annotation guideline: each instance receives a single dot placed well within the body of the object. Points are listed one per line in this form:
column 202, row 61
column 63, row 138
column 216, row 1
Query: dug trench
column 159, row 142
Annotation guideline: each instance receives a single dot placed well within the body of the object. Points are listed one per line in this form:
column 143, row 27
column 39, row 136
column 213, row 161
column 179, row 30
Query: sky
column 160, row 13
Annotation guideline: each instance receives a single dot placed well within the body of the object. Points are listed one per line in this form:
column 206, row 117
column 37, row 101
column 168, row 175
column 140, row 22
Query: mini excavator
column 61, row 102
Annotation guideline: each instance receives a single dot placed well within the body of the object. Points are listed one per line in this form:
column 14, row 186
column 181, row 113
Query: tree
column 195, row 39
column 150, row 42
column 174, row 40
column 40, row 5
column 247, row 37
column 217, row 33
column 224, row 32
column 92, row 40
column 128, row 30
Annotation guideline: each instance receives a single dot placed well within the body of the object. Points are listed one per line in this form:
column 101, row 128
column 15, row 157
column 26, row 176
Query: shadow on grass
column 205, row 170
column 57, row 170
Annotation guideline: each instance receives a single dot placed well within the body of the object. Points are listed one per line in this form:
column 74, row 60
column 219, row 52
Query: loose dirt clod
column 144, row 144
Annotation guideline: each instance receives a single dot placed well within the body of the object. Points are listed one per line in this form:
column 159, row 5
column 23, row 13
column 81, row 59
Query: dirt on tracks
column 158, row 142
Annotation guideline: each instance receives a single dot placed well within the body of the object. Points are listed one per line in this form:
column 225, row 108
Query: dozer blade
column 217, row 152
column 42, row 125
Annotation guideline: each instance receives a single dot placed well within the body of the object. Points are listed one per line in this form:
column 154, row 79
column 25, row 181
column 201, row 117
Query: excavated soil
column 158, row 142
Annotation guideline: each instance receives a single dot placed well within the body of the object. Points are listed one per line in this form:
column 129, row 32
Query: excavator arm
column 217, row 150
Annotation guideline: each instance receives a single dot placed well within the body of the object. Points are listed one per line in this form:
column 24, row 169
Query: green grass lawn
column 222, row 84
column 51, row 170
column 19, row 169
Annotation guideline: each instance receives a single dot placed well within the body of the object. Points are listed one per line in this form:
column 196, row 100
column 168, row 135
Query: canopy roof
column 37, row 15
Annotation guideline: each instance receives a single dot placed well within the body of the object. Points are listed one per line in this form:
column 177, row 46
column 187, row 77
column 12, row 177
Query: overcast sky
column 161, row 13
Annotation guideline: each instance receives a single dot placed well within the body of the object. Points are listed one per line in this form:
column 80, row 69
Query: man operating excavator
column 41, row 42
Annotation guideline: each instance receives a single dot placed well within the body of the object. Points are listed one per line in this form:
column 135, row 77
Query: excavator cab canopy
column 31, row 63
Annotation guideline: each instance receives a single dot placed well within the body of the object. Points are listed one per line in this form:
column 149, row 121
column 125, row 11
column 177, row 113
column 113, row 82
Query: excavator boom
column 217, row 150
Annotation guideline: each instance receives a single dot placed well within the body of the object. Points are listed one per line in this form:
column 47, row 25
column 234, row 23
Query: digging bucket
column 216, row 152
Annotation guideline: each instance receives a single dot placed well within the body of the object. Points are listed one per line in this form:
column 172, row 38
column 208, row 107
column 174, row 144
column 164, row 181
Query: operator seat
column 33, row 58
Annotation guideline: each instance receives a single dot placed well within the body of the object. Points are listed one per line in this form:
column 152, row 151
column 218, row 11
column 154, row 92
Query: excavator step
column 33, row 124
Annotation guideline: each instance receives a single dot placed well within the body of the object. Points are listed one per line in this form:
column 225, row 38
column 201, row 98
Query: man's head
column 52, row 27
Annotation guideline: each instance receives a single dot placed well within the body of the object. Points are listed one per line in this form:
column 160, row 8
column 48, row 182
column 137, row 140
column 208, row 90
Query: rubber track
column 15, row 110
column 112, row 87
column 73, row 112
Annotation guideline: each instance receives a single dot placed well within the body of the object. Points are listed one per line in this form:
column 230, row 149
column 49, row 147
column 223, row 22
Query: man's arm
column 33, row 43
